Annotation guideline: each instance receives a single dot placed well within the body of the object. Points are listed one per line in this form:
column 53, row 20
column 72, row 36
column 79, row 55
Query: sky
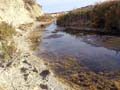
column 51, row 6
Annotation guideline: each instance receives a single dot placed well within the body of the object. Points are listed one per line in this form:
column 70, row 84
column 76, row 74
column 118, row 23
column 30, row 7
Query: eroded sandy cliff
column 18, row 12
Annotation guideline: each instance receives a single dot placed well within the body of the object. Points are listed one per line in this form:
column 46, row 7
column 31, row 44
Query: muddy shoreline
column 72, row 73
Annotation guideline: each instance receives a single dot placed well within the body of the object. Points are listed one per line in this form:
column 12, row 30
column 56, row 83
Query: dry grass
column 25, row 26
column 44, row 18
column 117, row 83
column 6, row 31
column 34, row 38
column 6, row 39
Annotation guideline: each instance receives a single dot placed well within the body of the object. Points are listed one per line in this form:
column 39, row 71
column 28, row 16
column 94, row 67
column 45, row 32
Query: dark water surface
column 95, row 52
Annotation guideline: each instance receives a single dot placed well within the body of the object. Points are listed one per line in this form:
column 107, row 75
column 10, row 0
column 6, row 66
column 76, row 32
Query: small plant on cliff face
column 30, row 2
column 6, row 40
column 6, row 31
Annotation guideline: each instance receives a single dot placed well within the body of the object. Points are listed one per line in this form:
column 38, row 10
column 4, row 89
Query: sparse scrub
column 30, row 2
column 6, row 31
column 6, row 39
column 25, row 26
column 44, row 18
column 34, row 38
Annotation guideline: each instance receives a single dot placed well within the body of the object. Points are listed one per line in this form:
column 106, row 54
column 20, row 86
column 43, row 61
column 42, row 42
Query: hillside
column 102, row 16
column 18, row 12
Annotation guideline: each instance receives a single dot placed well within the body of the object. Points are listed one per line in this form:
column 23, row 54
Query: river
column 70, row 51
column 96, row 52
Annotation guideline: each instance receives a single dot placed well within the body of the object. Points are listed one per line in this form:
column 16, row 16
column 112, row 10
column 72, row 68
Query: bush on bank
column 104, row 15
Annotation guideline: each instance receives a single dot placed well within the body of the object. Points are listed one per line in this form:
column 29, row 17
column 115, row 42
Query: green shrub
column 75, row 17
column 105, row 16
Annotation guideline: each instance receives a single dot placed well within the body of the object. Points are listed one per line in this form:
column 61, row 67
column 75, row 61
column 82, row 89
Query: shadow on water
column 97, row 39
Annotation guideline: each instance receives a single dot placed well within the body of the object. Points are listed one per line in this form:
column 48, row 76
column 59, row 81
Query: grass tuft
column 7, row 47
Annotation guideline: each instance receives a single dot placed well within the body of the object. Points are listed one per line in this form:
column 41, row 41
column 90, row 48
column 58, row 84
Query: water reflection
column 96, row 52
column 97, row 40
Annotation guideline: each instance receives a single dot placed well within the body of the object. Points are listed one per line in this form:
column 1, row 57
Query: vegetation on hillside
column 104, row 15
column 7, row 45
column 30, row 2
column 45, row 18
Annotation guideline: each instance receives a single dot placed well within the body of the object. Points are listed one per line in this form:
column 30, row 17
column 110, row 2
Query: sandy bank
column 26, row 71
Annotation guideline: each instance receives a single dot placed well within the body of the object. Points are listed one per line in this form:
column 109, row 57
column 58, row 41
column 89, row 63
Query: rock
column 25, row 76
column 23, row 70
column 45, row 73
column 44, row 86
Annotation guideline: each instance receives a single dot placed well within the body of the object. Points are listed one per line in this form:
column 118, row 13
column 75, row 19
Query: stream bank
column 26, row 71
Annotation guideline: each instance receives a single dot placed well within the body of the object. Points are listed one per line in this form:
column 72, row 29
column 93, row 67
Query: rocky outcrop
column 18, row 12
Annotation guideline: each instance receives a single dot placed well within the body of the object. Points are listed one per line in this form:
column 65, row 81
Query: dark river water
column 95, row 52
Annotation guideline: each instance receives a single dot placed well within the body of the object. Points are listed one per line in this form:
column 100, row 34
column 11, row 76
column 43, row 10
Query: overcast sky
column 64, row 5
